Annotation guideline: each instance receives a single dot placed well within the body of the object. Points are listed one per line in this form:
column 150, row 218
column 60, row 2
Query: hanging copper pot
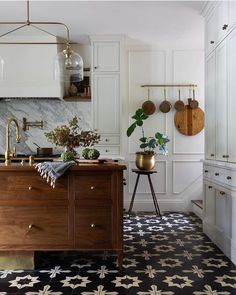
column 148, row 106
column 165, row 105
column 179, row 104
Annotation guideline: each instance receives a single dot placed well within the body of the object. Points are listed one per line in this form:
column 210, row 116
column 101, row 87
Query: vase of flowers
column 145, row 159
column 72, row 136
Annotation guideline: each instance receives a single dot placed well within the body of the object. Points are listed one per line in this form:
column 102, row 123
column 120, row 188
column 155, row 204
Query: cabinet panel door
column 210, row 35
column 210, row 108
column 221, row 102
column 106, row 102
column 106, row 56
column 231, row 96
column 222, row 217
column 222, row 19
column 232, row 13
column 209, row 205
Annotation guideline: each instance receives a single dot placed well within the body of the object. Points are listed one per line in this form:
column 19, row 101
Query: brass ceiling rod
column 34, row 25
column 169, row 85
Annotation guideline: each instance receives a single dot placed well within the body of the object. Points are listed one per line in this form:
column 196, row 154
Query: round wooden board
column 189, row 121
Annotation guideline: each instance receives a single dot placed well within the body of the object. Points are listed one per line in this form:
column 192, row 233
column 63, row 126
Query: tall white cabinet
column 220, row 141
column 106, row 73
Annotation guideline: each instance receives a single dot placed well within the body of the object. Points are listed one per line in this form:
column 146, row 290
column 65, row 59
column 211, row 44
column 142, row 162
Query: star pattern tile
column 169, row 256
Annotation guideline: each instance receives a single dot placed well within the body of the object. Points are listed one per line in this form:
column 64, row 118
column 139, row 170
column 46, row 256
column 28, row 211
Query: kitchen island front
column 83, row 212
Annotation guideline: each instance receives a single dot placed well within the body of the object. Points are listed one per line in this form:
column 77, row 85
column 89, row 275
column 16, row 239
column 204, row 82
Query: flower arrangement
column 148, row 144
column 72, row 136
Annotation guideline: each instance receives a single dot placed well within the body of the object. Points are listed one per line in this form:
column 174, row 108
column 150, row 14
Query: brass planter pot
column 145, row 161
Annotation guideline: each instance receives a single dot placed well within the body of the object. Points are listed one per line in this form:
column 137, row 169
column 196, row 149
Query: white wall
column 179, row 177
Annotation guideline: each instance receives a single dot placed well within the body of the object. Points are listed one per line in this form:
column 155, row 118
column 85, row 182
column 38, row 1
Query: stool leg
column 154, row 196
column 133, row 196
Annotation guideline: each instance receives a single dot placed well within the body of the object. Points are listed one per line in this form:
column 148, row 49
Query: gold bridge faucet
column 8, row 153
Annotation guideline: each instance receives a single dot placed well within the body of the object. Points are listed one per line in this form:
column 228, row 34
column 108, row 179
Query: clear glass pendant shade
column 2, row 69
column 68, row 66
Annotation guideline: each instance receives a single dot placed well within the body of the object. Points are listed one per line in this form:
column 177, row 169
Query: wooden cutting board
column 189, row 121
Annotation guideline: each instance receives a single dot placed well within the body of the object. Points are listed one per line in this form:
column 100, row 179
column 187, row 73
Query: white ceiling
column 147, row 22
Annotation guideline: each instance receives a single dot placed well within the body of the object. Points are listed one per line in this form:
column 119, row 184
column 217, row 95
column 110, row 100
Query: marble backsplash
column 53, row 112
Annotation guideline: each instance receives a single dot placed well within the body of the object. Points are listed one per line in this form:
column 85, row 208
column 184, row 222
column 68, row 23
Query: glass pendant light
column 68, row 66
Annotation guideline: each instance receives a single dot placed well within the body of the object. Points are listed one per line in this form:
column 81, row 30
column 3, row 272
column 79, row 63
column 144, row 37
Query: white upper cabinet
column 232, row 96
column 106, row 56
column 232, row 13
column 210, row 32
column 221, row 102
column 222, row 19
column 106, row 95
column 210, row 120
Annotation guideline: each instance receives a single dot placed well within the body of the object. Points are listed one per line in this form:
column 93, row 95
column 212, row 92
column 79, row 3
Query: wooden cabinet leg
column 120, row 256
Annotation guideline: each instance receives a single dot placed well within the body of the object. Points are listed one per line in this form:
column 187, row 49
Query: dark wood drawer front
column 93, row 228
column 97, row 185
column 31, row 225
column 28, row 186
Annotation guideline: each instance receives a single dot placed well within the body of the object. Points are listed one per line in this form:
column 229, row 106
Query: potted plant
column 145, row 160
column 72, row 136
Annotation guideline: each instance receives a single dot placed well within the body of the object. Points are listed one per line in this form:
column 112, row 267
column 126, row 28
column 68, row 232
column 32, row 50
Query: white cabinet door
column 210, row 32
column 106, row 56
column 221, row 102
column 106, row 103
column 222, row 213
column 232, row 13
column 209, row 204
column 222, row 19
column 232, row 96
column 210, row 108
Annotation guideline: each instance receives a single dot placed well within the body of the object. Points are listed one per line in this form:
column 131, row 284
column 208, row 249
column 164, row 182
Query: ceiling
column 148, row 22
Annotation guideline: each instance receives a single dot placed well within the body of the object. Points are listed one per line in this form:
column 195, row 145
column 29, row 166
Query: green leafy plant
column 72, row 135
column 148, row 144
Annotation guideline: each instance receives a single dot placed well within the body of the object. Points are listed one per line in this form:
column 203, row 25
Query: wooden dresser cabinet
column 83, row 212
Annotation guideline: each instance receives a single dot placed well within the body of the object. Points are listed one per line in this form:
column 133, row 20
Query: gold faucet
column 8, row 153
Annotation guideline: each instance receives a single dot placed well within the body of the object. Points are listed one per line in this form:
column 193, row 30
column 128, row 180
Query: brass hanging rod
column 168, row 85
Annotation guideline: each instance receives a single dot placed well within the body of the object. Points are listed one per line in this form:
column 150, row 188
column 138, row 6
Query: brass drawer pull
column 210, row 187
column 217, row 174
column 92, row 187
column 222, row 193
column 30, row 188
column 92, row 225
column 212, row 155
column 228, row 177
column 225, row 156
column 206, row 171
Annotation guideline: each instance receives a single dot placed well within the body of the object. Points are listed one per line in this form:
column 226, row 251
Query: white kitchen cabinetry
column 222, row 19
column 106, row 56
column 210, row 119
column 221, row 101
column 106, row 94
column 210, row 32
column 219, row 206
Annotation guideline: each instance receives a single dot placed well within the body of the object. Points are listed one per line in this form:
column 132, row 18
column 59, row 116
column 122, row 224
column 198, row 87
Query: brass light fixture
column 66, row 63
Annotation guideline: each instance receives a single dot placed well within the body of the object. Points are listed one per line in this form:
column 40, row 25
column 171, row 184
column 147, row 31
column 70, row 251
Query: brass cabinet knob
column 222, row 193
column 212, row 155
column 212, row 42
column 107, row 151
column 228, row 177
column 30, row 188
column 92, row 187
column 107, row 139
column 217, row 174
column 206, row 171
column 95, row 67
column 210, row 187
column 225, row 156
column 92, row 225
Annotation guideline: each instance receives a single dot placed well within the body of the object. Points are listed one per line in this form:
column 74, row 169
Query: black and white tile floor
column 162, row 256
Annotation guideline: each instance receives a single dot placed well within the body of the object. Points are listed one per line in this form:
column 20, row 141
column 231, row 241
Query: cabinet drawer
column 93, row 227
column 207, row 171
column 35, row 226
column 109, row 139
column 109, row 150
column 23, row 186
column 93, row 185
column 230, row 177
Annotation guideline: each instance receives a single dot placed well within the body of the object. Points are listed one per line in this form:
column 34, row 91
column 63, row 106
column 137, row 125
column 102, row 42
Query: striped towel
column 53, row 170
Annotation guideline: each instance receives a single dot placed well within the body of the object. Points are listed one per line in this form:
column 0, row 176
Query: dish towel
column 53, row 170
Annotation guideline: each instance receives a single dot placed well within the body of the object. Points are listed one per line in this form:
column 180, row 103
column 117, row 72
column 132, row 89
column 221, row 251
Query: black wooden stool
column 145, row 172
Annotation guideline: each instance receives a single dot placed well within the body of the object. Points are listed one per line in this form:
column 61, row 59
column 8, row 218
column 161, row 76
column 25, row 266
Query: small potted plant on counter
column 71, row 136
column 145, row 160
